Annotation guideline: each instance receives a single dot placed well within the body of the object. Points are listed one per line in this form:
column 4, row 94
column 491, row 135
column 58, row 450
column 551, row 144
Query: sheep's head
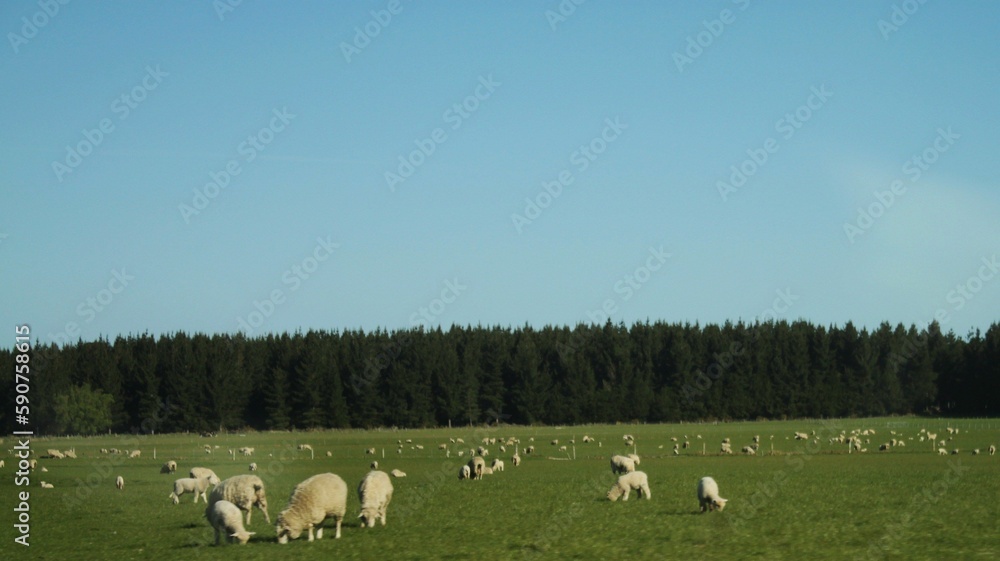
column 242, row 537
column 615, row 492
column 368, row 517
column 720, row 503
column 284, row 531
column 214, row 479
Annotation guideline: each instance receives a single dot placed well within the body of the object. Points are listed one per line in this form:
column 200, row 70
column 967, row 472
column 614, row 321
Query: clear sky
column 326, row 165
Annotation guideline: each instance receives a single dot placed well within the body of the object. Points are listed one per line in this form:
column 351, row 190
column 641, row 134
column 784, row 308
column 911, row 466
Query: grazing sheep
column 169, row 467
column 884, row 447
column 398, row 473
column 515, row 460
column 190, row 485
column 253, row 466
column 464, row 473
column 801, row 436
column 329, row 454
column 555, row 442
column 487, row 470
column 225, row 517
column 992, row 450
column 204, row 473
column 55, row 454
column 312, row 502
column 708, row 495
column 442, row 446
column 562, row 448
column 305, row 447
column 459, row 441
column 476, row 466
column 497, row 465
column 725, row 449
column 622, row 464
column 748, row 450
column 529, row 450
column 370, row 451
column 942, row 452
column 954, row 452
column 632, row 480
column 135, row 453
column 687, row 444
column 47, row 485
column 975, row 452
column 587, row 439
column 1, row 463
column 634, row 458
column 374, row 464
column 244, row 491
column 120, row 482
column 374, row 493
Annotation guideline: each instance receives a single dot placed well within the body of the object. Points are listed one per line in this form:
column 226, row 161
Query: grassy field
column 810, row 501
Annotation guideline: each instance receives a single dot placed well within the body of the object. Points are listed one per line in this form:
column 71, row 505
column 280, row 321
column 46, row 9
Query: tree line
column 646, row 372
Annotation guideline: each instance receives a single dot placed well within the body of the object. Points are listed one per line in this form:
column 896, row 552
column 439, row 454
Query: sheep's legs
column 319, row 532
column 338, row 528
column 311, row 536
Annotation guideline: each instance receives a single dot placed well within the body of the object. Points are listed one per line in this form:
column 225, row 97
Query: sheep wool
column 169, row 467
column 225, row 517
column 120, row 482
column 622, row 464
column 464, row 473
column 633, row 480
column 190, row 485
column 311, row 503
column 244, row 491
column 204, row 473
column 497, row 465
column 476, row 466
column 398, row 473
column 374, row 493
column 708, row 495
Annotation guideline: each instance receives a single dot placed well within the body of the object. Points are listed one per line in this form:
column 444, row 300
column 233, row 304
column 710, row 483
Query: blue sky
column 645, row 110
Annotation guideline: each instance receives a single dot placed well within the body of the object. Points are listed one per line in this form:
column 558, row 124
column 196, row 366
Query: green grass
column 802, row 503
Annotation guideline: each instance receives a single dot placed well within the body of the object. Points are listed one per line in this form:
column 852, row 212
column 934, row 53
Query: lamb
column 515, row 460
column 120, row 482
column 169, row 467
column 975, row 452
column 708, row 495
column 374, row 464
column 47, row 485
column 632, row 480
column 204, row 473
column 634, row 458
column 622, row 465
column 555, row 442
column 312, row 502
column 464, row 473
column 190, row 485
column 482, row 451
column 992, row 450
column 800, row 436
column 56, row 454
column 749, row 451
column 942, row 452
column 369, row 451
column 134, row 453
column 529, row 450
column 476, row 466
column 225, row 517
column 253, row 466
column 487, row 471
column 244, row 491
column 497, row 465
column 398, row 473
column 1, row 463
column 374, row 493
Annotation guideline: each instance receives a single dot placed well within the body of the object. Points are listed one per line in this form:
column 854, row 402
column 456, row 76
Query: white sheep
column 708, row 495
column 992, row 449
column 633, row 457
column 190, row 485
column 632, row 480
column 253, row 466
column 312, row 502
column 529, row 450
column 464, row 473
column 56, row 454
column 942, row 452
column 975, row 452
column 374, row 464
column 47, row 485
column 369, row 451
column 1, row 463
column 169, row 467
column 225, row 517
column 497, row 465
column 374, row 493
column 555, row 442
column 204, row 473
column 801, row 436
column 244, row 491
column 515, row 460
column 476, row 465
column 749, row 451
column 134, row 453
column 120, row 482
column 622, row 464
column 398, row 473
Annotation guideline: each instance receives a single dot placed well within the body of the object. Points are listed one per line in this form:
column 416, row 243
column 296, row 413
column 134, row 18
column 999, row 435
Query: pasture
column 808, row 500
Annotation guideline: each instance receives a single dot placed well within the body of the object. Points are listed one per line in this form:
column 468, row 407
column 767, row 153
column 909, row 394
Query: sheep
column 398, row 473
column 725, row 449
column 459, row 441
column 134, row 453
column 374, row 465
column 942, row 452
column 169, row 467
column 529, row 450
column 1, row 463
column 312, row 502
column 633, row 457
column 562, row 448
column 47, row 485
column 482, row 451
column 305, row 447
column 975, row 452
column 329, row 454
column 687, row 444
column 225, row 517
column 476, row 465
column 120, row 482
column 369, row 451
column 749, row 451
column 992, row 450
column 515, row 460
column 884, row 447
column 204, row 473
column 954, row 452
column 555, row 442
column 487, row 470
column 756, row 438
column 253, row 466
column 622, row 465
column 632, row 480
column 587, row 439
column 246, row 451
column 708, row 495
column 244, row 491
column 442, row 446
column 497, row 465
column 190, row 485
column 55, row 454
column 801, row 436
column 374, row 493
column 464, row 473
